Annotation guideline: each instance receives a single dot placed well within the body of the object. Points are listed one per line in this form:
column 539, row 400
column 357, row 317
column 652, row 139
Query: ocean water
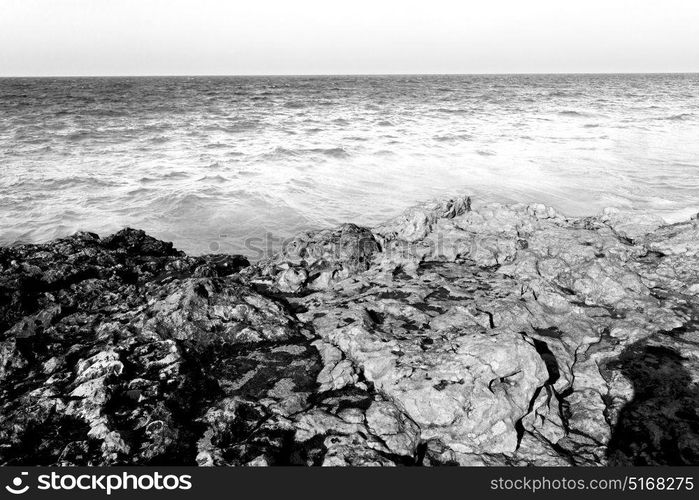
column 237, row 164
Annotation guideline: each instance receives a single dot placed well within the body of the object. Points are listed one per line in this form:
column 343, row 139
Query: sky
column 255, row 37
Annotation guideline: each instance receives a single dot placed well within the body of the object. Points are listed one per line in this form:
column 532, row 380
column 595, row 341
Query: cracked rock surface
column 493, row 335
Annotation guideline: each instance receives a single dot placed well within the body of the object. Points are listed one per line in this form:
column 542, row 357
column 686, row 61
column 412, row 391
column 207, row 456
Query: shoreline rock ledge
column 502, row 335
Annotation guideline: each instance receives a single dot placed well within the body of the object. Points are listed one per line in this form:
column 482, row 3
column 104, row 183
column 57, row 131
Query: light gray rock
column 631, row 224
column 209, row 310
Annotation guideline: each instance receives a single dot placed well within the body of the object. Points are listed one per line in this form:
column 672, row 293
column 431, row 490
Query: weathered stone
column 208, row 310
column 632, row 225
column 503, row 335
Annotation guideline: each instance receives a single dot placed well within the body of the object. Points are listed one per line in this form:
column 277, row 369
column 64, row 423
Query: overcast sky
column 166, row 37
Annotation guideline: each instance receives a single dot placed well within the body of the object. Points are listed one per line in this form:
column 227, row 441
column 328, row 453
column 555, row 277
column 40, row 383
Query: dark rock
column 137, row 242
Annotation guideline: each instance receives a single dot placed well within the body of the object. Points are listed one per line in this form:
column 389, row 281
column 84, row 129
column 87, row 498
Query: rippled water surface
column 210, row 162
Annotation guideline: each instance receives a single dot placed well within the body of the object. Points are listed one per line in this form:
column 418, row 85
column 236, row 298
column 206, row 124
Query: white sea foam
column 208, row 162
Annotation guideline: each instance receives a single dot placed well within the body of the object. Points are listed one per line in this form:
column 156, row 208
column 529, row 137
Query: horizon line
column 257, row 75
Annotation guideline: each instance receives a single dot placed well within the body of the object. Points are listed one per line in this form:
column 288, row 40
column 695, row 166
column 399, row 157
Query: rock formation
column 503, row 335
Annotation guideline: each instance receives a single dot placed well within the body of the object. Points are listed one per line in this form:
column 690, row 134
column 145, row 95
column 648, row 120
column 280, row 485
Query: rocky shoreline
column 506, row 335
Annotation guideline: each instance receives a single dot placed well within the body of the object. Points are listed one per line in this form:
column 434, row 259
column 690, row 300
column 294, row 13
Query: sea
column 240, row 164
